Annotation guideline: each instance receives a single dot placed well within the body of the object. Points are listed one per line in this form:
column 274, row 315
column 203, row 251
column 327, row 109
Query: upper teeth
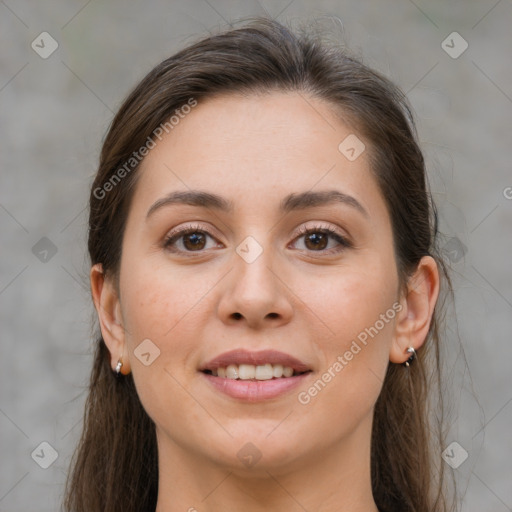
column 250, row 371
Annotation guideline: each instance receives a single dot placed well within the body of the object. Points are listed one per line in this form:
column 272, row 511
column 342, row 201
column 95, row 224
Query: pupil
column 317, row 240
column 195, row 239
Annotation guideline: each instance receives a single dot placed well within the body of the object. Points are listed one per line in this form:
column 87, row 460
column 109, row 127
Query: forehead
column 256, row 146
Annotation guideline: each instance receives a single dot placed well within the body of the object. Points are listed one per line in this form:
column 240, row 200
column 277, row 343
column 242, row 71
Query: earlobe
column 413, row 322
column 110, row 318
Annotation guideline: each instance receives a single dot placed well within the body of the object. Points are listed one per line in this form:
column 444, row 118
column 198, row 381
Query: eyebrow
column 292, row 202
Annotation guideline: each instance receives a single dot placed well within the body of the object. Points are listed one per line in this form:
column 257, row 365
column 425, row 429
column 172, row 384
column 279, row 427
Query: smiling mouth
column 251, row 372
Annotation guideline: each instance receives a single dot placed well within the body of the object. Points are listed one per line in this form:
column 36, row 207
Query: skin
column 308, row 302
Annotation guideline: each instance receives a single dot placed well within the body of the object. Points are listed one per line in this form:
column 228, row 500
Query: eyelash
column 176, row 235
column 344, row 243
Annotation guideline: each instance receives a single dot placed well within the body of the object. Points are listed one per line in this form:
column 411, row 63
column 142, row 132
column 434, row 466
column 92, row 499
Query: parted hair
column 115, row 465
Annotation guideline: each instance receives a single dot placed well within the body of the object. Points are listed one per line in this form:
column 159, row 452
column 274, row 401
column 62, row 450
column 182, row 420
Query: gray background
column 55, row 112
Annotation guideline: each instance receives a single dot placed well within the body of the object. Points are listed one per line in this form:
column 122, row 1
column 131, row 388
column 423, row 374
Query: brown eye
column 316, row 241
column 190, row 239
column 194, row 241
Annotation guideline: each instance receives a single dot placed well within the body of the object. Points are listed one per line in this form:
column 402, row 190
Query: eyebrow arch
column 193, row 198
column 311, row 199
column 290, row 203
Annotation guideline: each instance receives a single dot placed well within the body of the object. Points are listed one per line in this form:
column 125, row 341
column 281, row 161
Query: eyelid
column 184, row 230
column 320, row 227
column 188, row 228
column 343, row 241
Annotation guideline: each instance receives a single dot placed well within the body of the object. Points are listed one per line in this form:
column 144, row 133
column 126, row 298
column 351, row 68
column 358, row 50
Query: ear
column 108, row 308
column 418, row 302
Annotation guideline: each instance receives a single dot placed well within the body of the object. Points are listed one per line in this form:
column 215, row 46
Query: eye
column 190, row 239
column 317, row 239
column 187, row 239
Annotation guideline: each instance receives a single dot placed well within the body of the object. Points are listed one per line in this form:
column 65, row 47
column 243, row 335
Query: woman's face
column 246, row 279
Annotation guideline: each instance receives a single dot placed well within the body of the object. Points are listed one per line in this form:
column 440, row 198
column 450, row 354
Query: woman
column 265, row 275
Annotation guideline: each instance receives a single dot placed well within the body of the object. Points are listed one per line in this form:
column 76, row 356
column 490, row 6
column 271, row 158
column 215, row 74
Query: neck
column 333, row 479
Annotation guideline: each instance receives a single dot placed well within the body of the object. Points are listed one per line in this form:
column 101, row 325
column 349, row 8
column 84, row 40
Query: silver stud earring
column 118, row 366
column 411, row 351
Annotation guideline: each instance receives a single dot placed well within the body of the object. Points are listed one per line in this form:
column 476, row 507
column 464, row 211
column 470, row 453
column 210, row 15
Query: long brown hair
column 115, row 466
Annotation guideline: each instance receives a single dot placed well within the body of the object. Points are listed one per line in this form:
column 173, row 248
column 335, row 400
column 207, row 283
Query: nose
column 256, row 294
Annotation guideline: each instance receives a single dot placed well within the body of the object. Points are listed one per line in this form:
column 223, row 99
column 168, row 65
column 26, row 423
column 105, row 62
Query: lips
column 221, row 374
column 244, row 357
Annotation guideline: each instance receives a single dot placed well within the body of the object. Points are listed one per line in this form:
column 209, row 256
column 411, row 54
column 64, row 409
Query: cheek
column 346, row 388
column 157, row 302
column 353, row 300
column 147, row 307
column 157, row 307
column 358, row 308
